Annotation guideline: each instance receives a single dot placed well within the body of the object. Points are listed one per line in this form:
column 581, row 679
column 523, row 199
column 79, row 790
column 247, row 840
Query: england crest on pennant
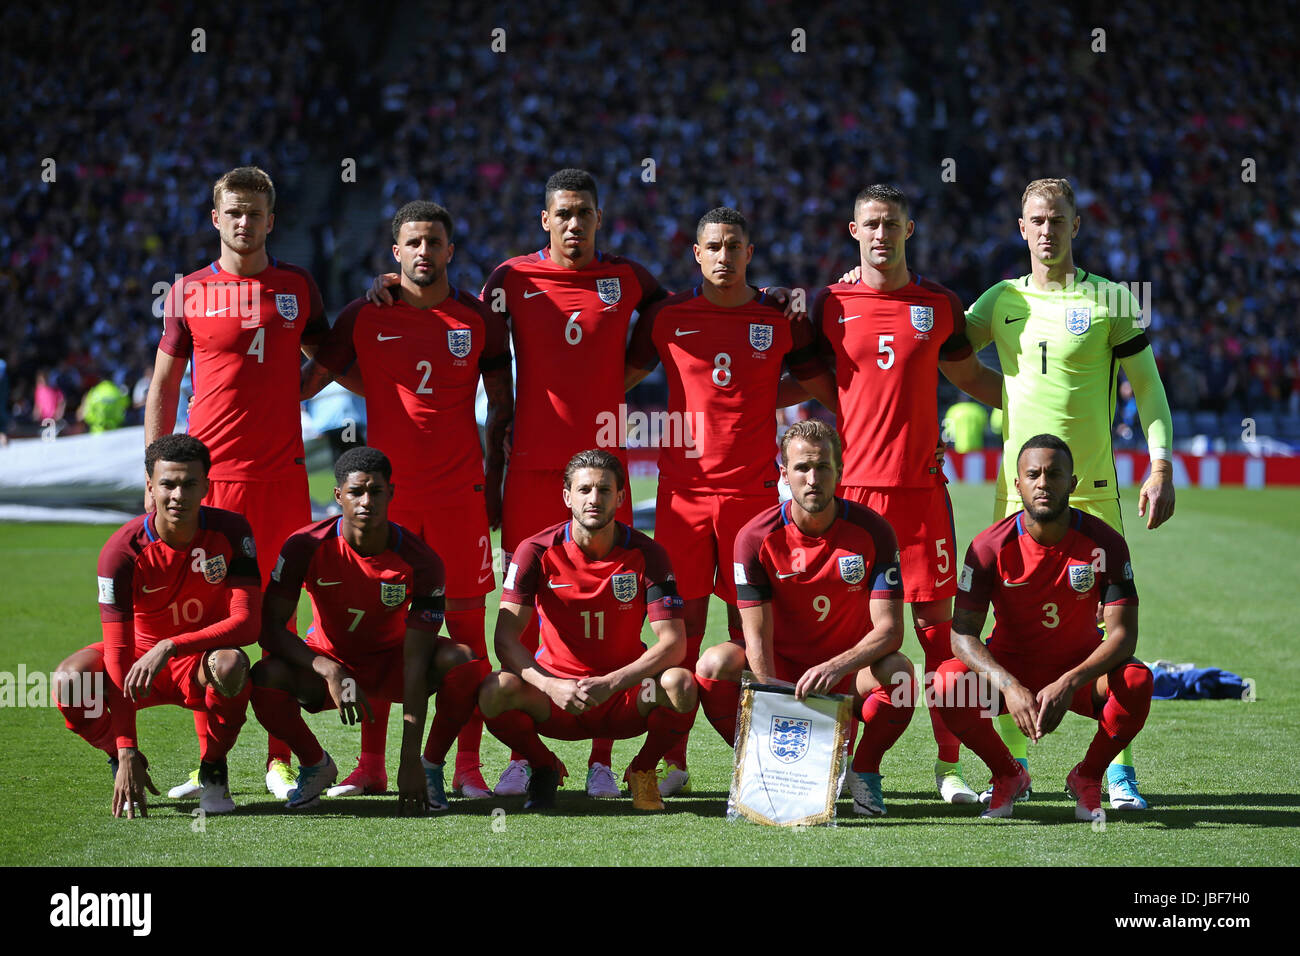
column 459, row 342
column 789, row 738
column 624, row 586
column 392, row 595
column 922, row 317
column 214, row 569
column 853, row 568
column 609, row 290
column 1078, row 320
column 1081, row 577
column 286, row 303
column 760, row 336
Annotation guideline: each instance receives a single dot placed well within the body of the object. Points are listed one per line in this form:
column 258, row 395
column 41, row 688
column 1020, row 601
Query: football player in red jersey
column 179, row 595
column 723, row 346
column 244, row 321
column 1044, row 570
column 418, row 364
column 377, row 595
column 889, row 333
column 591, row 580
column 820, row 598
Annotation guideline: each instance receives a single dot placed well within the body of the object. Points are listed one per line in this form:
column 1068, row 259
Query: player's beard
column 1050, row 512
column 423, row 280
column 815, row 506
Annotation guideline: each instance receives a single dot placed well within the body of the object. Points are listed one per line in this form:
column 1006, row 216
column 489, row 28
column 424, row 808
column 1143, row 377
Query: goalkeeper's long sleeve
column 1153, row 405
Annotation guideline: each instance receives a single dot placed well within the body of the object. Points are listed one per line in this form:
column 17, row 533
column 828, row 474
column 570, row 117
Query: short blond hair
column 814, row 431
column 245, row 179
column 1049, row 189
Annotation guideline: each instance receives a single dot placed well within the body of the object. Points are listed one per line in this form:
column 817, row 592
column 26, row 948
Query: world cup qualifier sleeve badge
column 1078, row 321
column 286, row 303
column 392, row 595
column 760, row 336
column 459, row 342
column 609, row 290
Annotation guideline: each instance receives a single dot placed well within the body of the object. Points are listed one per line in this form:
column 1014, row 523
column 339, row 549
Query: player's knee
column 228, row 670
column 270, row 672
column 680, row 688
column 721, row 662
column 449, row 656
column 495, row 693
column 1134, row 682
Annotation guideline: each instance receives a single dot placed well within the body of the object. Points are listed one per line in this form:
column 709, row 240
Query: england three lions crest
column 760, row 336
column 853, row 568
column 214, row 569
column 922, row 317
column 609, row 290
column 392, row 595
column 459, row 342
column 286, row 303
column 789, row 738
column 624, row 586
column 1082, row 578
column 1078, row 320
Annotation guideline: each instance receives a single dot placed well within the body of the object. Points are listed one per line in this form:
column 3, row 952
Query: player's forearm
column 756, row 625
column 1120, row 644
column 633, row 376
column 975, row 379
column 972, row 652
column 878, row 642
column 312, row 379
column 417, row 655
column 791, row 391
column 668, row 652
column 238, row 629
column 822, row 388
column 500, row 416
column 160, row 409
column 119, row 655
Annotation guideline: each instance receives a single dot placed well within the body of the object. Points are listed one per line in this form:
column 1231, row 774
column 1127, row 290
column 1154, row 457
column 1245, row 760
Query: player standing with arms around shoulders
column 1044, row 569
column 889, row 334
column 592, row 581
column 418, row 363
column 1062, row 334
column 723, row 345
column 820, row 600
column 377, row 596
column 179, row 595
column 244, row 321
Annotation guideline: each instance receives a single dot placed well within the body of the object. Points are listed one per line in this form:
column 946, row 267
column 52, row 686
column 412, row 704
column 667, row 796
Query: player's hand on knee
column 378, row 293
column 412, row 791
column 1023, row 708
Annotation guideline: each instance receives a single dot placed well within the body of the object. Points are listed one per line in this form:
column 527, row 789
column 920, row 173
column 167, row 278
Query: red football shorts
column 1034, row 675
column 927, row 538
column 380, row 676
column 616, row 719
column 698, row 530
column 533, row 501
column 274, row 509
column 177, row 683
column 455, row 526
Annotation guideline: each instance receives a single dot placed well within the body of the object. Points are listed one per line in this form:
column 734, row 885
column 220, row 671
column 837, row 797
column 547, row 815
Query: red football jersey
column 1045, row 598
column 163, row 592
column 361, row 604
column 569, row 329
column 819, row 588
column 723, row 367
column 420, row 369
column 886, row 347
column 244, row 334
column 590, row 612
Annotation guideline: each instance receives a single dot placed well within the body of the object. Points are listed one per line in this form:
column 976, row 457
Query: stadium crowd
column 1175, row 128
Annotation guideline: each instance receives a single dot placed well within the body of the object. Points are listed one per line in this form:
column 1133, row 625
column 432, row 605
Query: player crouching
column 592, row 581
column 821, row 605
column 377, row 604
column 1045, row 569
column 179, row 594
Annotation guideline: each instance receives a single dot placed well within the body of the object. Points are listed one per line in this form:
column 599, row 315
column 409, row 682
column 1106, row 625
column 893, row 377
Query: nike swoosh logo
column 552, row 585
column 687, row 332
column 148, row 590
column 784, row 576
column 940, row 584
column 380, row 337
column 218, row 312
column 1008, row 320
column 326, row 584
column 849, row 318
column 1013, row 584
column 529, row 295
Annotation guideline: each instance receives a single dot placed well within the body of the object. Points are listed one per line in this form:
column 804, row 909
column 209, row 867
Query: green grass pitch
column 1218, row 587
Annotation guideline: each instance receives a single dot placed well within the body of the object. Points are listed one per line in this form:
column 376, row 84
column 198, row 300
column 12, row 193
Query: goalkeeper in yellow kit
column 1062, row 334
